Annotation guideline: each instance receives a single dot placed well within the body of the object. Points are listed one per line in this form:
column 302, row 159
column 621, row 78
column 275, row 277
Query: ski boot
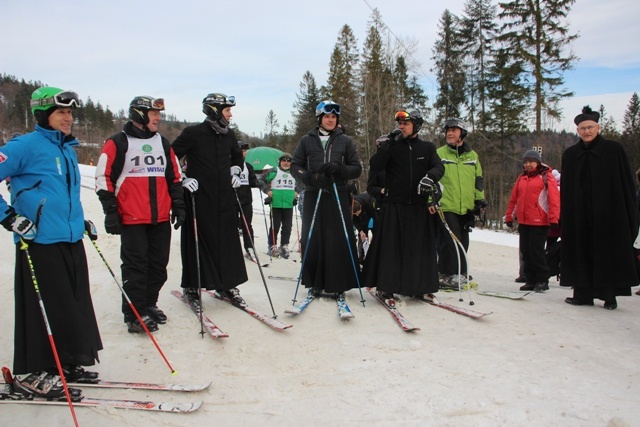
column 77, row 374
column 284, row 251
column 233, row 295
column 157, row 315
column 134, row 326
column 388, row 298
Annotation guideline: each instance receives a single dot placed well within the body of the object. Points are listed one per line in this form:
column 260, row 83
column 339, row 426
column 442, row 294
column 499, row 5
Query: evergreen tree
column 449, row 68
column 478, row 31
column 271, row 126
column 535, row 29
column 304, row 113
column 631, row 120
column 342, row 84
column 608, row 126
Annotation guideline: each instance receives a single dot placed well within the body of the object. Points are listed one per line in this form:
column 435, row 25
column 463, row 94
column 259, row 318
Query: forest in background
column 498, row 67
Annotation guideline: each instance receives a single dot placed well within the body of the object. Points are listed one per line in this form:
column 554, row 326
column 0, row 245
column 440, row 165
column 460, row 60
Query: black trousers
column 280, row 217
column 247, row 210
column 144, row 252
column 532, row 241
column 447, row 258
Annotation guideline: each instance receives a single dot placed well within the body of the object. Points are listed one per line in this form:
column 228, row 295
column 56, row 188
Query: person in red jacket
column 535, row 201
column 138, row 181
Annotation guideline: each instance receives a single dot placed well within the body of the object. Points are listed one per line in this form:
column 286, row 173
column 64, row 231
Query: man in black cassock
column 599, row 217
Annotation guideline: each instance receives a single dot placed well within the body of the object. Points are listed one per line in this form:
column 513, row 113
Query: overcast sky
column 259, row 50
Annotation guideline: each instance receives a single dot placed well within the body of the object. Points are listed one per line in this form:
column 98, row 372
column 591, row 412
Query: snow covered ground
column 532, row 362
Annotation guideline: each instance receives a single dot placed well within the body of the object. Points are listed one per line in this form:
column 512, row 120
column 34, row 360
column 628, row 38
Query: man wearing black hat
column 599, row 217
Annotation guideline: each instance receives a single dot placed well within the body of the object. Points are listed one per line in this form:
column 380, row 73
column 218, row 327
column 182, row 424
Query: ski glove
column 21, row 225
column 191, row 184
column 267, row 200
column 509, row 224
column 334, row 170
column 90, row 230
column 235, row 176
column 112, row 221
column 178, row 214
column 318, row 180
column 426, row 186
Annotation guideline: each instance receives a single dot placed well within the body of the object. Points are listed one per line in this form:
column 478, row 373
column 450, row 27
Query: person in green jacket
column 462, row 196
column 280, row 186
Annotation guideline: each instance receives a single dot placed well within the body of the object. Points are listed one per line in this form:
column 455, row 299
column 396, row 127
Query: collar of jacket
column 136, row 132
column 459, row 149
column 56, row 136
column 596, row 146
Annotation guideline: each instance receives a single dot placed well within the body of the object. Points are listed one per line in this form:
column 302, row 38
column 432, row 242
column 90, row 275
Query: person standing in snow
column 138, row 182
column 535, row 201
column 326, row 156
column 214, row 163
column 248, row 180
column 599, row 217
column 462, row 196
column 402, row 257
column 280, row 187
column 46, row 215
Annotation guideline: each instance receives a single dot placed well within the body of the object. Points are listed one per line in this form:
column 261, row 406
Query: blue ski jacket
column 45, row 184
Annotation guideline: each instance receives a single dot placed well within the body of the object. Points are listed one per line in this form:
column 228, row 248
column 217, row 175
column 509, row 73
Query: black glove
column 319, row 180
column 90, row 230
column 555, row 225
column 178, row 214
column 478, row 206
column 509, row 224
column 426, row 186
column 295, row 201
column 267, row 200
column 333, row 170
column 112, row 221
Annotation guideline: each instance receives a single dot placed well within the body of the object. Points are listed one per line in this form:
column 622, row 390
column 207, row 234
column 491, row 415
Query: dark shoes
column 528, row 287
column 577, row 301
column 520, row 279
column 541, row 287
column 77, row 374
column 157, row 315
column 233, row 295
column 134, row 326
column 611, row 305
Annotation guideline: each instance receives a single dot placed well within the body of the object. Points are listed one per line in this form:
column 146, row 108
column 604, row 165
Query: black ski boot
column 192, row 297
column 38, row 384
column 233, row 295
column 157, row 315
column 135, row 326
column 77, row 374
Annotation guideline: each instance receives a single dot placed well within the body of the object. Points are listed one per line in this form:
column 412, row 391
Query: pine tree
column 608, row 126
column 539, row 35
column 342, row 84
column 307, row 99
column 631, row 120
column 271, row 127
column 478, row 31
column 449, row 68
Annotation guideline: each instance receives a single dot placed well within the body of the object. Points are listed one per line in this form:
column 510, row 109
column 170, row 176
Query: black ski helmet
column 214, row 103
column 243, row 145
column 456, row 123
column 140, row 106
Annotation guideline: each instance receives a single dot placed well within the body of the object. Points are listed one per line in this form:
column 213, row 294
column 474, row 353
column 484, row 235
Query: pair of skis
column 213, row 330
column 8, row 396
column 344, row 312
column 406, row 326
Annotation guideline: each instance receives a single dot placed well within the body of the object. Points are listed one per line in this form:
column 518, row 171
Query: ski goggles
column 402, row 115
column 285, row 159
column 219, row 98
column 62, row 99
column 330, row 109
column 149, row 103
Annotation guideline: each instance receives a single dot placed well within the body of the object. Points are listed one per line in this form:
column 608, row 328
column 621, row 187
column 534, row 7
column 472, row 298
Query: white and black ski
column 270, row 321
column 97, row 383
column 397, row 316
column 210, row 327
column 505, row 294
column 144, row 405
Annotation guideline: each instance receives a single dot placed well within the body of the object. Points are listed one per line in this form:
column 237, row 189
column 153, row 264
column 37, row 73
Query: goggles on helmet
column 330, row 109
column 218, row 98
column 148, row 103
column 402, row 115
column 454, row 123
column 62, row 99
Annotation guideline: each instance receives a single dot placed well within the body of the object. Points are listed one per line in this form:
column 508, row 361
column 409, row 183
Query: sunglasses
column 63, row 99
column 285, row 159
column 402, row 115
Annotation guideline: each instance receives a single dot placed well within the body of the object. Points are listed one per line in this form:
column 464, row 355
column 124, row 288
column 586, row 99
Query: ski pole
column 296, row 215
column 132, row 307
column 255, row 253
column 195, row 234
column 25, row 247
column 266, row 227
column 306, row 249
column 346, row 235
column 459, row 247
